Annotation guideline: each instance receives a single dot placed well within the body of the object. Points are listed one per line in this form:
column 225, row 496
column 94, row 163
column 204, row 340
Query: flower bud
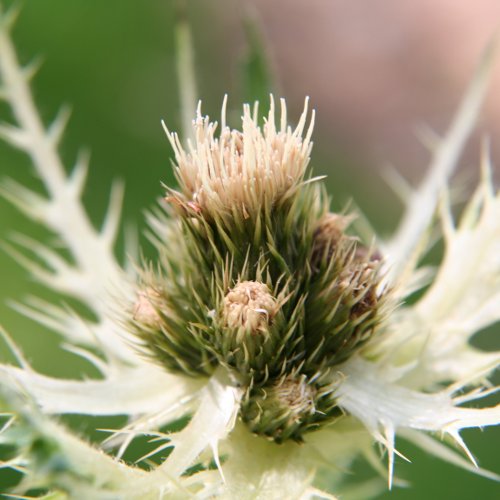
column 249, row 305
column 283, row 410
column 345, row 302
column 296, row 396
column 251, row 332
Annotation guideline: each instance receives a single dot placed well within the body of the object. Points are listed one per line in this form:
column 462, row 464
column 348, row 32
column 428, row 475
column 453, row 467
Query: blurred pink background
column 376, row 69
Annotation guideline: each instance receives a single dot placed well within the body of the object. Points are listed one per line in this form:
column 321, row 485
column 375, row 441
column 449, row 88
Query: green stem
column 185, row 71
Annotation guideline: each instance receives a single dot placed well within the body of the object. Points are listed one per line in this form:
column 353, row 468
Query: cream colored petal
column 130, row 392
column 213, row 420
column 384, row 407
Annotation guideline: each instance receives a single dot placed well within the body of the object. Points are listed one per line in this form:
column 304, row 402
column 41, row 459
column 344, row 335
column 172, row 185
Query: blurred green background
column 114, row 62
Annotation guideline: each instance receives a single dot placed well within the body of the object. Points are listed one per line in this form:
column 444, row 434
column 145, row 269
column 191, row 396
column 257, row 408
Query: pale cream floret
column 242, row 171
column 249, row 305
column 297, row 396
column 145, row 311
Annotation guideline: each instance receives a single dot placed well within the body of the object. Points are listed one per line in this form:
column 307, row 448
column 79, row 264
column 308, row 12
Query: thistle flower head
column 277, row 291
column 237, row 174
column 268, row 322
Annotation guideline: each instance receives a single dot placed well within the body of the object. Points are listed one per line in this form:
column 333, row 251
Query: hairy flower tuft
column 240, row 173
column 249, row 305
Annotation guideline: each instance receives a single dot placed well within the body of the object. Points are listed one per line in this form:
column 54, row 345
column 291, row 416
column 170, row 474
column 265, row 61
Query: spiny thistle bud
column 261, row 279
column 345, row 302
column 289, row 407
column 249, row 305
column 280, row 410
column 254, row 330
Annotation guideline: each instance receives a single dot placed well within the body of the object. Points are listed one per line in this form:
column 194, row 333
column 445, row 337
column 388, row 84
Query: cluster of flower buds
column 263, row 279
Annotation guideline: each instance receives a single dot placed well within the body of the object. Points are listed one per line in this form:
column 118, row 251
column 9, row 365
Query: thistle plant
column 267, row 345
